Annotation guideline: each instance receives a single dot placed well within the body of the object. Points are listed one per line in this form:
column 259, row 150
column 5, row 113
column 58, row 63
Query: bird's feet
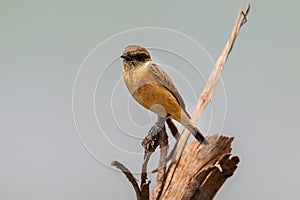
column 151, row 141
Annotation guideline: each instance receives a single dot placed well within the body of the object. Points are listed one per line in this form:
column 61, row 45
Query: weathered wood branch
column 161, row 170
column 129, row 176
column 173, row 183
column 208, row 187
column 202, row 170
column 150, row 143
column 213, row 79
column 144, row 180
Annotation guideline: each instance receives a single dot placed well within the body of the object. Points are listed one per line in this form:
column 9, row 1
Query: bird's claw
column 150, row 142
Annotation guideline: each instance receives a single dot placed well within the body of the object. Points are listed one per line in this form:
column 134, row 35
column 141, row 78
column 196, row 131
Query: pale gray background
column 42, row 44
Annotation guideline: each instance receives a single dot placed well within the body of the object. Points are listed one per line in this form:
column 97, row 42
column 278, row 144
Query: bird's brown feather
column 164, row 79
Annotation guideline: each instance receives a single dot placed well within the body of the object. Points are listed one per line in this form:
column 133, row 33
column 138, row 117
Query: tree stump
column 201, row 170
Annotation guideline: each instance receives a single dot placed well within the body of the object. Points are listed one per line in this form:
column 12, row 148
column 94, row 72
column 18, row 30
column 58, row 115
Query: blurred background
column 43, row 45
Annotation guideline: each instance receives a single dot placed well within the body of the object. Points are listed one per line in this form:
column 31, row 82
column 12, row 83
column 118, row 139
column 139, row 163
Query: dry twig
column 161, row 170
column 213, row 79
column 129, row 176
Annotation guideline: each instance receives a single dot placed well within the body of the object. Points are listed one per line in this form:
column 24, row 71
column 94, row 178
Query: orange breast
column 152, row 95
column 158, row 99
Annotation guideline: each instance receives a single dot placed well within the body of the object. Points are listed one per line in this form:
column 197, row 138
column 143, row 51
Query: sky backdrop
column 43, row 46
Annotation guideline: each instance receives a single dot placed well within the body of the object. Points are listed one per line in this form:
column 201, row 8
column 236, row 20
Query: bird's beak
column 125, row 56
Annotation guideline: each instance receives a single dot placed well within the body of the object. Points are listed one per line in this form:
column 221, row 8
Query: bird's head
column 135, row 56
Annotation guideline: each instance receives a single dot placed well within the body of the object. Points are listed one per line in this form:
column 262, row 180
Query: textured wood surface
column 201, row 170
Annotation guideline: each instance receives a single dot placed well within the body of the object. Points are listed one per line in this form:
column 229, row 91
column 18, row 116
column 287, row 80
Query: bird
column 153, row 88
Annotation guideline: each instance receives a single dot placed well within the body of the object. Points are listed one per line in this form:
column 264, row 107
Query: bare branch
column 129, row 176
column 213, row 80
column 172, row 181
column 161, row 171
column 144, row 168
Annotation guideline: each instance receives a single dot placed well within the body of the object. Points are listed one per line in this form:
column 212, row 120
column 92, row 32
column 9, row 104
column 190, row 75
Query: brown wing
column 164, row 79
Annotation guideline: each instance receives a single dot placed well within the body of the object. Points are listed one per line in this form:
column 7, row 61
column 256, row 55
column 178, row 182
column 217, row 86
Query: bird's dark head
column 134, row 56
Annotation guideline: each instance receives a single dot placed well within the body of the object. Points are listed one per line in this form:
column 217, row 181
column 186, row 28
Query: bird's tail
column 196, row 132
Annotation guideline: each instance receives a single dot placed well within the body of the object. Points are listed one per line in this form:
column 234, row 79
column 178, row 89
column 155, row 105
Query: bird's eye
column 141, row 57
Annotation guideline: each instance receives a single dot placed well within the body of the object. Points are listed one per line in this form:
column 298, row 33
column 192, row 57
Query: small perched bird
column 152, row 87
